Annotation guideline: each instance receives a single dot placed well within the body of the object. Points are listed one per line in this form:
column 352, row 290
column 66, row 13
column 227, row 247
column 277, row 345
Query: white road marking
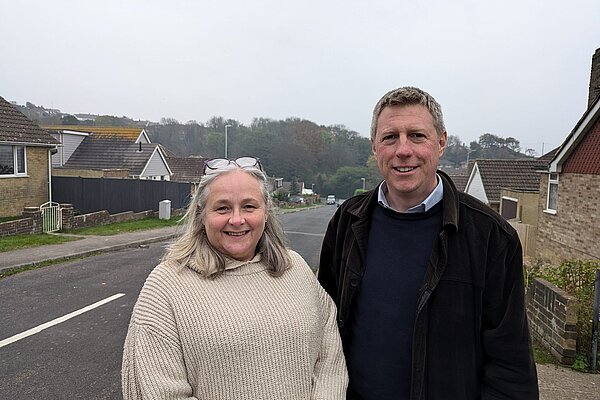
column 305, row 233
column 58, row 320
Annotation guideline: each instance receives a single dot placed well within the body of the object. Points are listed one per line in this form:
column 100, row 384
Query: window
column 508, row 207
column 552, row 199
column 12, row 160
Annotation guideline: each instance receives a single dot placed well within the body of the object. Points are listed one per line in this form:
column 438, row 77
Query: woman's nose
column 236, row 218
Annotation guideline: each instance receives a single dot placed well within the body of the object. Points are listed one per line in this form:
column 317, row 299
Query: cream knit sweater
column 244, row 335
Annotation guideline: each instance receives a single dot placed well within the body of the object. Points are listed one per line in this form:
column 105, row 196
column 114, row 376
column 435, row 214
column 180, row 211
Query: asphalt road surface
column 72, row 317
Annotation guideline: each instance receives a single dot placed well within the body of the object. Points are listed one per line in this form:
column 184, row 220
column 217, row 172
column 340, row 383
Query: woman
column 231, row 313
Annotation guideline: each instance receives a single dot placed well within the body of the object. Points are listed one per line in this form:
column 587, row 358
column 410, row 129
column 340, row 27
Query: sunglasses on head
column 215, row 164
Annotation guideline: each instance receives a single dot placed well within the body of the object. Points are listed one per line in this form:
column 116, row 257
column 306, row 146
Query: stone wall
column 553, row 318
column 30, row 190
column 573, row 232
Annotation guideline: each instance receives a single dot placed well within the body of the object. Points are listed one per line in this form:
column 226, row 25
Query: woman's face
column 235, row 214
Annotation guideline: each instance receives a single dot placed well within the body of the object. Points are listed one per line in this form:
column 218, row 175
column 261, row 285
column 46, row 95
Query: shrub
column 577, row 278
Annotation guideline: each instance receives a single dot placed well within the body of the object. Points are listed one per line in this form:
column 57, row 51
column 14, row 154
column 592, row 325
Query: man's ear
column 443, row 140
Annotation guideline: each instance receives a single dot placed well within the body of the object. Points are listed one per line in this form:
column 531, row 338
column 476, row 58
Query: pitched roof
column 130, row 134
column 549, row 155
column 460, row 181
column 579, row 132
column 103, row 152
column 520, row 175
column 17, row 128
column 186, row 169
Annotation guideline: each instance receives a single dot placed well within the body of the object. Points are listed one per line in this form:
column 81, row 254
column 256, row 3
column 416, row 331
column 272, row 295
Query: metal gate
column 51, row 217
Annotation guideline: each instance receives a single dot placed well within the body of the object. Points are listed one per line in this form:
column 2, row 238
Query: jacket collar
column 450, row 203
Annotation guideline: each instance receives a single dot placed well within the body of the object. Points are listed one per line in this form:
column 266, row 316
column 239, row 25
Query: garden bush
column 577, row 278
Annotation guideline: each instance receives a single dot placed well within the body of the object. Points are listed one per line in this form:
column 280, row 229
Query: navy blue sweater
column 379, row 356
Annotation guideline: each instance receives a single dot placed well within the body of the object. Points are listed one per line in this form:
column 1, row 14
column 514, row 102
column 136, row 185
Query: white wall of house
column 156, row 168
column 70, row 141
column 475, row 186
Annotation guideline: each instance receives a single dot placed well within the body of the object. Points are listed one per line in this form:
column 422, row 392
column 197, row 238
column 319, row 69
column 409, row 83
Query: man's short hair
column 408, row 96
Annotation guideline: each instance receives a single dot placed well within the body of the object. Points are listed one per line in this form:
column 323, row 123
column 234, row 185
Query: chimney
column 594, row 79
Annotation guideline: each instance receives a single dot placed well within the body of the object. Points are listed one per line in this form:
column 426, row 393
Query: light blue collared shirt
column 431, row 200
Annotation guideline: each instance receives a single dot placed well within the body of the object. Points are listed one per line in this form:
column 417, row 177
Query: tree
column 169, row 121
column 487, row 140
column 475, row 150
column 456, row 151
column 294, row 186
column 69, row 120
column 512, row 144
column 346, row 180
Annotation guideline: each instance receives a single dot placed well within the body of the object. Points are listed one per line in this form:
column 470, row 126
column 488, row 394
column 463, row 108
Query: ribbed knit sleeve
column 153, row 365
column 330, row 377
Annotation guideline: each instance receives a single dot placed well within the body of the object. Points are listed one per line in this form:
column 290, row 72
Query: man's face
column 407, row 149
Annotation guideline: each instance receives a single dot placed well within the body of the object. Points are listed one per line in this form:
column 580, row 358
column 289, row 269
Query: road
column 80, row 357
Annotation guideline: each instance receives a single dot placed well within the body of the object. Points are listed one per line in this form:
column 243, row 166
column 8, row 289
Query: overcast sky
column 512, row 68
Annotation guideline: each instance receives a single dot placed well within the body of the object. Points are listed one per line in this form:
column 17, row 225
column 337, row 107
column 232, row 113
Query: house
column 569, row 211
column 185, row 169
column 25, row 151
column 71, row 136
column 132, row 134
column 489, row 177
column 108, row 156
column 459, row 180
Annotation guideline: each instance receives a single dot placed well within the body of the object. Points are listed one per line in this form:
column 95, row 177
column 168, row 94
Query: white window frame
column 15, row 154
column 552, row 182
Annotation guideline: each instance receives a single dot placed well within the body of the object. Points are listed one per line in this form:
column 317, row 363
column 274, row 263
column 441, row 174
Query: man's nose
column 403, row 147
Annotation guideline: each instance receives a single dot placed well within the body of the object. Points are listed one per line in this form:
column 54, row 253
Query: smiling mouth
column 404, row 169
column 236, row 233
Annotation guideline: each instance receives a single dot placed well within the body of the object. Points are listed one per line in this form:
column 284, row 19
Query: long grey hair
column 193, row 249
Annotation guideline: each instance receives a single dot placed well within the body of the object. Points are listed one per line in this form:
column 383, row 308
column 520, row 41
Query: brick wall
column 31, row 222
column 28, row 191
column 553, row 318
column 573, row 232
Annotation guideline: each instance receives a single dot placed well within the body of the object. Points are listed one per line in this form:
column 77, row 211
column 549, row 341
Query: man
column 428, row 281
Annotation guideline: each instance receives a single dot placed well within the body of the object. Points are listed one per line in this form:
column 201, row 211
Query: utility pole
column 226, row 126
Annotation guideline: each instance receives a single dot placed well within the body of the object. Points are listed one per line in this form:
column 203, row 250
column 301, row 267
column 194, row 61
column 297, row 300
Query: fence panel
column 118, row 195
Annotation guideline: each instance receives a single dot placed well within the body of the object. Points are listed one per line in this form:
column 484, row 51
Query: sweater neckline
column 236, row 267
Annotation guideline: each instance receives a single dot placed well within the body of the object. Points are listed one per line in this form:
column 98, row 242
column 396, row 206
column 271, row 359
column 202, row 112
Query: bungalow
column 489, row 177
column 25, row 168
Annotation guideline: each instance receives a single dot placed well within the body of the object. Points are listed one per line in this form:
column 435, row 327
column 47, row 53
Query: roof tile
column 16, row 127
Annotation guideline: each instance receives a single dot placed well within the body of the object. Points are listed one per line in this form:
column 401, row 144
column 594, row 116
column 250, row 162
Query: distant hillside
column 51, row 116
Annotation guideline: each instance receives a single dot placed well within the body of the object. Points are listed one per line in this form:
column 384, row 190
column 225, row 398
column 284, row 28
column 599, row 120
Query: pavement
column 89, row 245
column 555, row 382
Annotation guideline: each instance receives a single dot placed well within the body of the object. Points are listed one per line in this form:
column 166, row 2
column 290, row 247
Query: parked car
column 296, row 200
column 330, row 199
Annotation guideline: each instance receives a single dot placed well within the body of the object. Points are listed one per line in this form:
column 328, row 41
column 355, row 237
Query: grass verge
column 8, row 243
column 122, row 227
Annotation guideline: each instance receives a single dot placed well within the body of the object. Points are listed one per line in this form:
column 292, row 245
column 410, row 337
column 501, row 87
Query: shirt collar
column 431, row 200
